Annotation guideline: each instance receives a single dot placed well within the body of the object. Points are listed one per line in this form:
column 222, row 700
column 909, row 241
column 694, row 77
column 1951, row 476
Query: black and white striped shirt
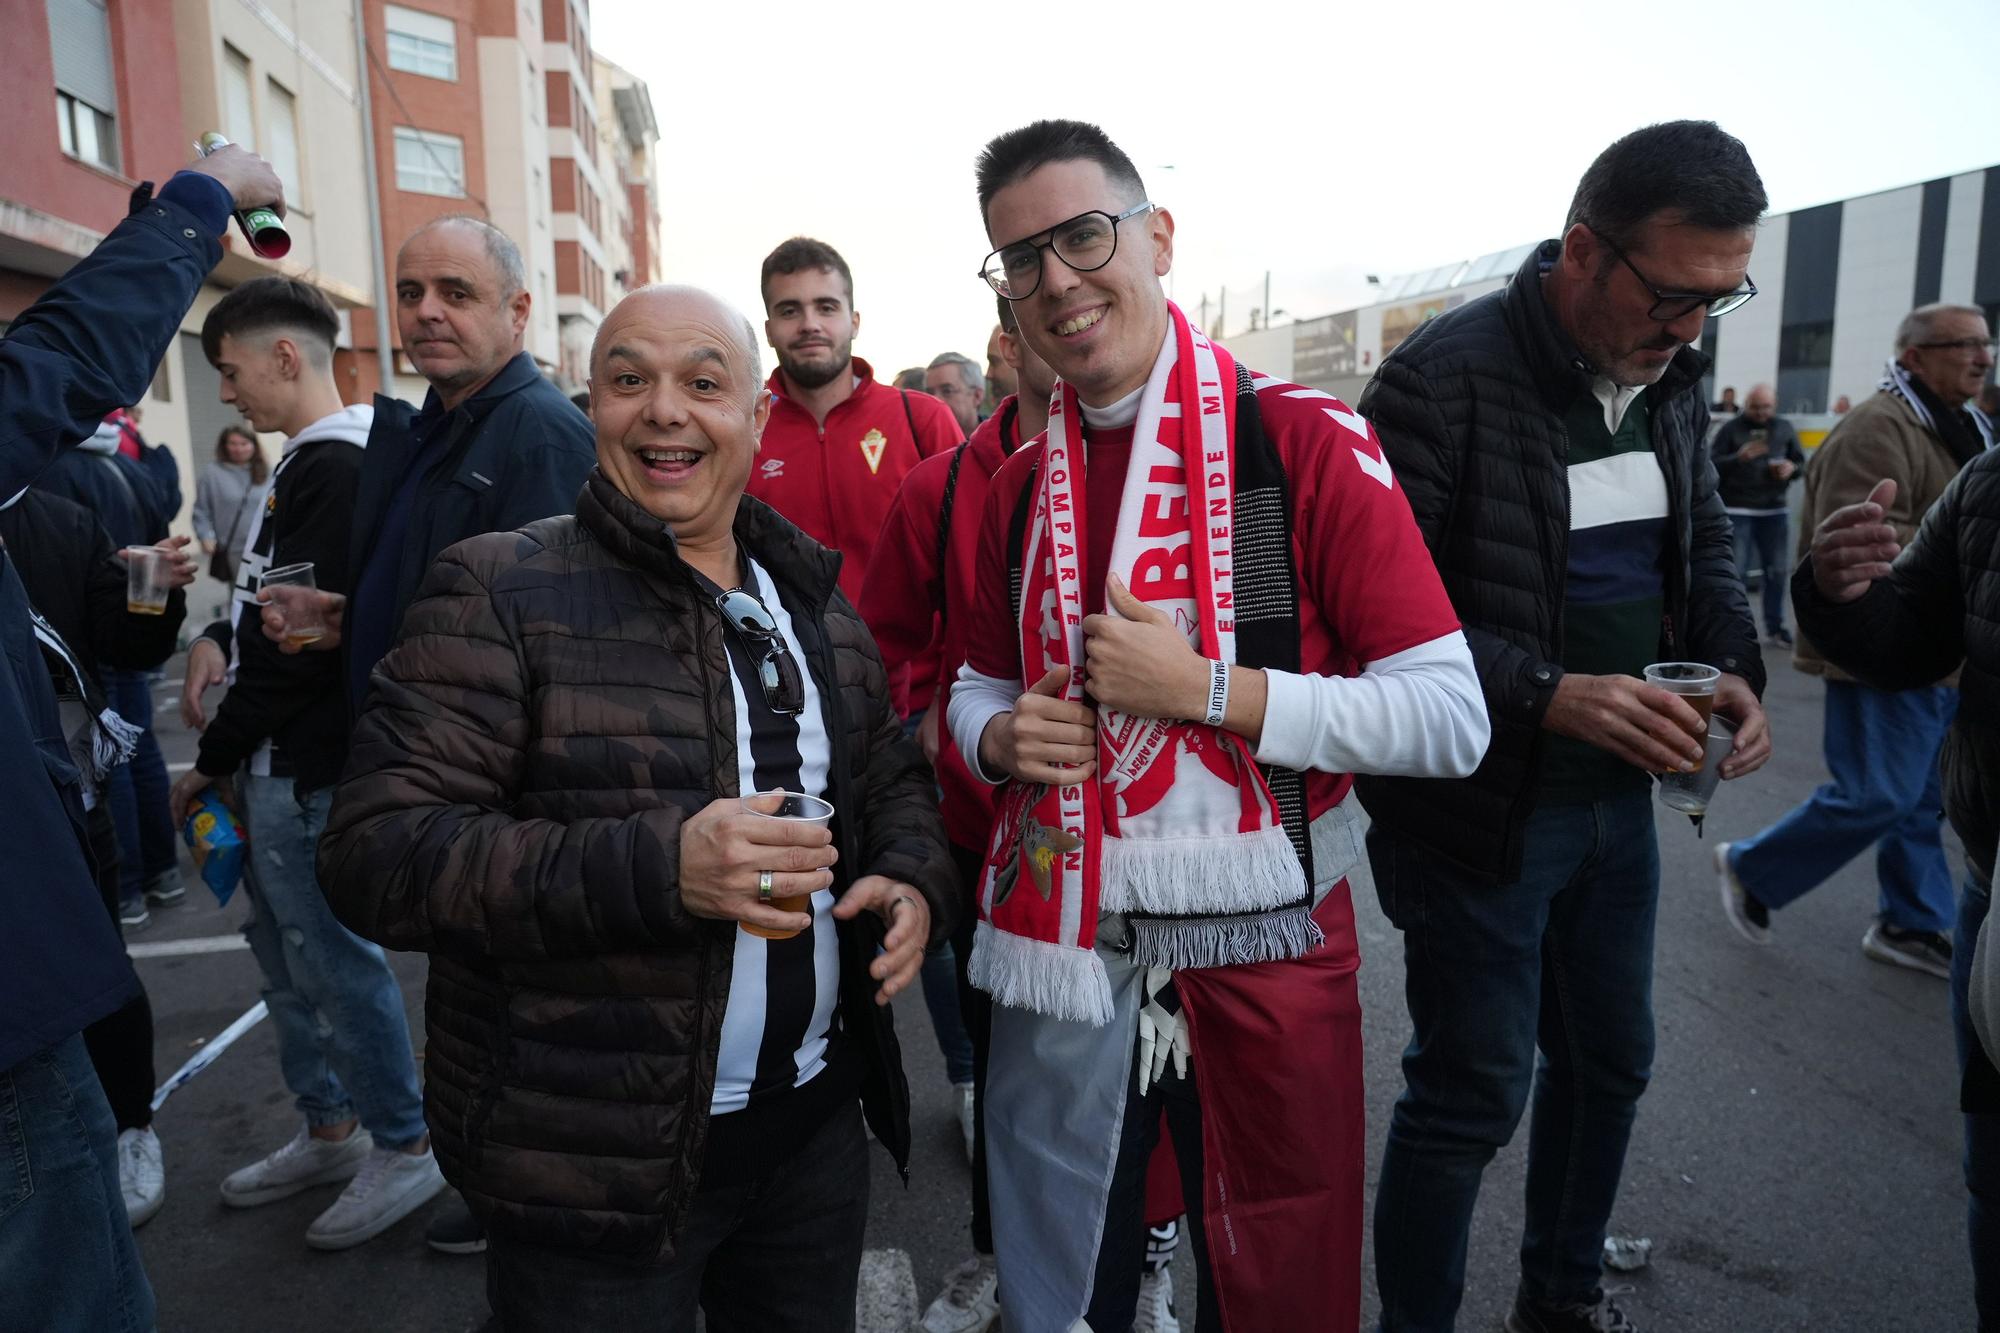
column 780, row 1018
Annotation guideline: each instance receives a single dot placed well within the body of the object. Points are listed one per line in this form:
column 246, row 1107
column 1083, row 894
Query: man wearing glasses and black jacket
column 657, row 1008
column 1551, row 440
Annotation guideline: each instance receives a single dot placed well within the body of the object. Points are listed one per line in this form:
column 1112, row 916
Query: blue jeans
column 1560, row 960
column 66, row 1250
column 1882, row 751
column 1982, row 1131
column 940, row 978
column 1763, row 542
column 343, row 1041
column 137, row 791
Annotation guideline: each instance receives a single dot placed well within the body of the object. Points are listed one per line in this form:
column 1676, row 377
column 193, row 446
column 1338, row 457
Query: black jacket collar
column 1561, row 371
column 516, row 375
column 795, row 560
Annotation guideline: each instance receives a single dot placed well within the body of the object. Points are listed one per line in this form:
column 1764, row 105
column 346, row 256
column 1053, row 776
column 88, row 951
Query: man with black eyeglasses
column 1200, row 605
column 1551, row 439
column 633, row 780
column 1882, row 746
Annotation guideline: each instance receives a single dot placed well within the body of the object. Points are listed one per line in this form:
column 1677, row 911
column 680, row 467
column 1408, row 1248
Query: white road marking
column 180, row 768
column 182, row 948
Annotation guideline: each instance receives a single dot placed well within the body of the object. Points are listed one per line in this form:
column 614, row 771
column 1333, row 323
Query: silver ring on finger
column 764, row 885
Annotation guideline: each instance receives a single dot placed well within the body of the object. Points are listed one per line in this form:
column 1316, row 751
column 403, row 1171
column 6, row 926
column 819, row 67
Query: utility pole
column 1222, row 314
column 385, row 353
column 1204, row 312
column 1267, row 298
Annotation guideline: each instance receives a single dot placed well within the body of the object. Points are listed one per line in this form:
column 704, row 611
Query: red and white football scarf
column 1178, row 829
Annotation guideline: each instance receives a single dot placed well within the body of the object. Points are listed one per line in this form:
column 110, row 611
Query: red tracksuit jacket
column 905, row 592
column 838, row 483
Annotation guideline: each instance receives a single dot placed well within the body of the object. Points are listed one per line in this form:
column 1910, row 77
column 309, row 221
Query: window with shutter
column 86, row 92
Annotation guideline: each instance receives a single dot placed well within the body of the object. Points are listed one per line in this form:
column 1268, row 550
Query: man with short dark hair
column 1757, row 456
column 274, row 749
column 1552, row 439
column 1223, row 609
column 659, row 1005
column 1881, row 746
column 839, row 443
column 1727, row 406
column 953, row 379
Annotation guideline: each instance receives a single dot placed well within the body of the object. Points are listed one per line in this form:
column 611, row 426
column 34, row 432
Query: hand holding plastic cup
column 302, row 620
column 1694, row 682
column 794, row 808
column 1690, row 793
column 148, row 571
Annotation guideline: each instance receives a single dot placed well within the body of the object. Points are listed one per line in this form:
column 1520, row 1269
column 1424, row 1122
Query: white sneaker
column 966, row 1099
column 390, row 1186
column 970, row 1302
column 142, row 1174
column 299, row 1165
column 1156, row 1304
column 1751, row 918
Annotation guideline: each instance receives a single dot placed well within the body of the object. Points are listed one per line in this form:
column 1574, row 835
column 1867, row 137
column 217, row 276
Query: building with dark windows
column 1832, row 281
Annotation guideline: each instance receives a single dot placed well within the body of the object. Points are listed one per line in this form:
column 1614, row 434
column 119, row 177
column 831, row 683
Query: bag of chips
column 215, row 836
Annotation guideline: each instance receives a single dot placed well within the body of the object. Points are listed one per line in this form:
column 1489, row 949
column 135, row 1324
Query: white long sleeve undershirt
column 1417, row 713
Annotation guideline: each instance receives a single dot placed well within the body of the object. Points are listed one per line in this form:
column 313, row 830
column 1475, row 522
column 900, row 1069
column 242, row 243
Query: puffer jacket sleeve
column 1908, row 629
column 1720, row 630
column 420, row 852
column 902, row 832
column 1423, row 452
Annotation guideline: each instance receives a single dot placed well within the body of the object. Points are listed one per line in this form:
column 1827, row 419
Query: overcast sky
column 1321, row 142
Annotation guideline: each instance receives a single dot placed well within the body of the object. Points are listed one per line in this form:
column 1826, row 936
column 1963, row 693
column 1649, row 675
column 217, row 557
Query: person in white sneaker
column 274, row 749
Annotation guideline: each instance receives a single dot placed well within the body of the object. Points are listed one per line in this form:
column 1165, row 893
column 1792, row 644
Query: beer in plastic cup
column 1690, row 793
column 1693, row 681
column 146, row 580
column 302, row 621
column 793, row 808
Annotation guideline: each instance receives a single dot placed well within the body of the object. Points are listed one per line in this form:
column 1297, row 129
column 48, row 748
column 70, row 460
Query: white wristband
column 1218, row 692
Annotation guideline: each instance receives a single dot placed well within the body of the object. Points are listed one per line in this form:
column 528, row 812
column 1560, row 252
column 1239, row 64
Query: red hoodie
column 837, row 483
column 905, row 593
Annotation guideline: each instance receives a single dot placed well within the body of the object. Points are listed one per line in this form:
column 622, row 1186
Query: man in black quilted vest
column 1550, row 439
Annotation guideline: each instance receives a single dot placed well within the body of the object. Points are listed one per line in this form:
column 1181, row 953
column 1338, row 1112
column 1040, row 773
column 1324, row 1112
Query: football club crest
column 872, row 446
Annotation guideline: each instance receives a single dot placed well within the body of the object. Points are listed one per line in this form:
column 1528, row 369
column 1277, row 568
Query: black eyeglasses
column 1669, row 306
column 1086, row 243
column 777, row 669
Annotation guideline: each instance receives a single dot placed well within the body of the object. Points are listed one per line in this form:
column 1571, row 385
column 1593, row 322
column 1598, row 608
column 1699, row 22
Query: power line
column 454, row 177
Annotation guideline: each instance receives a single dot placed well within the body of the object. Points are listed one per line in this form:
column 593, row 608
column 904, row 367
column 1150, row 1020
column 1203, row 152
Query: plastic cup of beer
column 1692, row 681
column 146, row 579
column 303, row 624
column 1690, row 793
column 793, row 808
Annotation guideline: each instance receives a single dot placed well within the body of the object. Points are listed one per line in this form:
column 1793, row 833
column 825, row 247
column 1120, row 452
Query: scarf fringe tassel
column 114, row 743
column 1217, row 872
column 1059, row 980
column 1261, row 937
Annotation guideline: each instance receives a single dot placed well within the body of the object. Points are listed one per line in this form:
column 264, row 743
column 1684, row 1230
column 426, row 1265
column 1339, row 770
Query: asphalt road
column 1796, row 1162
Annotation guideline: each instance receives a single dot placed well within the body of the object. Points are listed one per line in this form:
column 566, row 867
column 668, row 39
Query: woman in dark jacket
column 646, row 1068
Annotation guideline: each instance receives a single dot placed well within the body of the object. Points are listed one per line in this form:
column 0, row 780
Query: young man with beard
column 1551, row 437
column 839, row 443
column 1224, row 609
column 274, row 749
